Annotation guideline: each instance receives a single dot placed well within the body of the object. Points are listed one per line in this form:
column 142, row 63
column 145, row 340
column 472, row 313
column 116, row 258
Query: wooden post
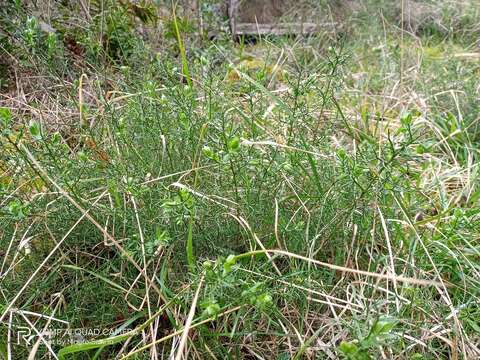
column 276, row 17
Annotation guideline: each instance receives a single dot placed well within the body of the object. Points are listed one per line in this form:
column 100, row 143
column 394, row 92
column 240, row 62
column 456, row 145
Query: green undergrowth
column 308, row 197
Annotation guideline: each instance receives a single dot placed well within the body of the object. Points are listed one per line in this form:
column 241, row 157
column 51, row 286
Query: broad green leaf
column 35, row 130
column 5, row 117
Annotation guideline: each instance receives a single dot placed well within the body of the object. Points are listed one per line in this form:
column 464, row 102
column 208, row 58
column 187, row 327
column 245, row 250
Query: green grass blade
column 120, row 328
column 3, row 351
column 190, row 255
column 98, row 276
column 181, row 47
column 76, row 348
